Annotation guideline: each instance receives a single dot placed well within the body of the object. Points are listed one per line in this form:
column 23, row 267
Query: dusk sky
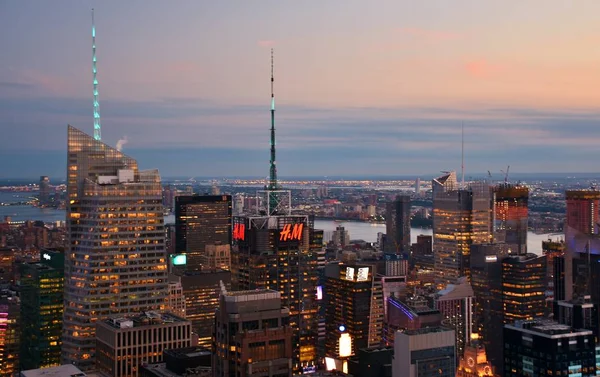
column 362, row 87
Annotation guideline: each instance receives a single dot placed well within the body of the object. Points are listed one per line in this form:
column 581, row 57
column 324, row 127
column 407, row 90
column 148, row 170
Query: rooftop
column 66, row 370
column 144, row 319
column 250, row 295
column 547, row 328
column 427, row 330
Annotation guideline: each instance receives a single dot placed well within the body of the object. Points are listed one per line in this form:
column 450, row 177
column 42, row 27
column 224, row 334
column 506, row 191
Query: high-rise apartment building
column 411, row 314
column 201, row 220
column 41, row 290
column 279, row 252
column 426, row 352
column 252, row 335
column 354, row 306
column 217, row 257
column 10, row 331
column 422, row 253
column 397, row 225
column 511, row 215
column 461, row 217
column 340, row 237
column 115, row 262
column 201, row 290
column 44, row 195
column 125, row 343
column 546, row 348
column 582, row 211
column 176, row 300
column 455, row 303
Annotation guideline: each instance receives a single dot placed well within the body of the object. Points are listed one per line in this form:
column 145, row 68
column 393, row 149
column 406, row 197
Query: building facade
column 397, row 225
column 201, row 290
column 461, row 217
column 279, row 252
column 427, row 352
column 115, row 262
column 201, row 220
column 41, row 289
column 124, row 343
column 510, row 216
column 546, row 348
column 253, row 336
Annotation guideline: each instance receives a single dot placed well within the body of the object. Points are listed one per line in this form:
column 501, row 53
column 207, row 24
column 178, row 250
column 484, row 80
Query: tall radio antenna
column 462, row 157
column 97, row 131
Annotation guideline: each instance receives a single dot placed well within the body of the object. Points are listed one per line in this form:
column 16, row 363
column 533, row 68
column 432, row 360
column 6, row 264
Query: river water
column 356, row 229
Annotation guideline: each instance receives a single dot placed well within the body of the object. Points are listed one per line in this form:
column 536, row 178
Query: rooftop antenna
column 273, row 167
column 97, row 131
column 462, row 157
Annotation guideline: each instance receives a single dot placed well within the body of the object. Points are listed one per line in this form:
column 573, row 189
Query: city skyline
column 378, row 90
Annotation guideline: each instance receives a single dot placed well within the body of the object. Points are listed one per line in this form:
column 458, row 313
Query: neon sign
column 291, row 232
column 239, row 232
column 47, row 256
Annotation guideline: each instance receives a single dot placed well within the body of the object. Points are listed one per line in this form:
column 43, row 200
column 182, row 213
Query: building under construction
column 511, row 216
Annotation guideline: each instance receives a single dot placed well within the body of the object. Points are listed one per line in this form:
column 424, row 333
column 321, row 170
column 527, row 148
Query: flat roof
column 67, row 370
column 150, row 318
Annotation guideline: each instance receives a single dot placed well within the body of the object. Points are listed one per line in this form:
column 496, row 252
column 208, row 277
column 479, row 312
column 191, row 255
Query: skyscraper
column 44, row 190
column 511, row 214
column 42, row 286
column 461, row 217
column 252, row 335
column 353, row 302
column 398, row 225
column 276, row 250
column 582, row 211
column 115, row 262
column 201, row 220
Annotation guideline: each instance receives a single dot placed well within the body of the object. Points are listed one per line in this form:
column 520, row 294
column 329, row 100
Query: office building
column 422, row 253
column 511, row 215
column 279, row 252
column 44, row 195
column 581, row 313
column 546, row 348
column 412, row 313
column 217, row 257
column 523, row 287
column 354, row 306
column 397, row 225
column 252, row 335
column 372, row 362
column 10, row 331
column 582, row 212
column 201, row 220
column 461, row 217
column 41, row 291
column 455, row 303
column 176, row 299
column 181, row 362
column 124, row 343
column 115, row 262
column 552, row 250
column 201, row 290
column 340, row 237
column 427, row 352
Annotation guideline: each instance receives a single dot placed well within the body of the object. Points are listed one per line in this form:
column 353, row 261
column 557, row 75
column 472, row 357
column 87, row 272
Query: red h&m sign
column 291, row 232
column 239, row 232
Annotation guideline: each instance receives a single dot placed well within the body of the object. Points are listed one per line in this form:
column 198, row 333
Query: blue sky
column 377, row 89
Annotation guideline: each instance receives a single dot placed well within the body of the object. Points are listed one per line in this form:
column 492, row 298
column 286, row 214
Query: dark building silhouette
column 201, row 220
column 511, row 214
column 398, row 225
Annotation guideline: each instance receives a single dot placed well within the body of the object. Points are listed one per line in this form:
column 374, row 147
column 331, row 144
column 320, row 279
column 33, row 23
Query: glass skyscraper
column 115, row 262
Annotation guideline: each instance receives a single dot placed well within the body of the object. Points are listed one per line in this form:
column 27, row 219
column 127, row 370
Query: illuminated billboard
column 179, row 260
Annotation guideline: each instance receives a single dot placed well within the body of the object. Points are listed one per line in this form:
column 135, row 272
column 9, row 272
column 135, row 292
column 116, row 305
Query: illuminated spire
column 273, row 185
column 97, row 133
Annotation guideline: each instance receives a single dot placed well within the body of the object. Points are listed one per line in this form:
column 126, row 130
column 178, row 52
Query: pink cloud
column 47, row 82
column 184, row 67
column 266, row 43
column 481, row 68
column 429, row 35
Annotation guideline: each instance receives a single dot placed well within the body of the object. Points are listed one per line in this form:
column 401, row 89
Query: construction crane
column 506, row 174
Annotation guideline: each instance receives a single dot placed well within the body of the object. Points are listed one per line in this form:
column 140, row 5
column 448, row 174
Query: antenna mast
column 462, row 157
column 97, row 132
column 273, row 185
